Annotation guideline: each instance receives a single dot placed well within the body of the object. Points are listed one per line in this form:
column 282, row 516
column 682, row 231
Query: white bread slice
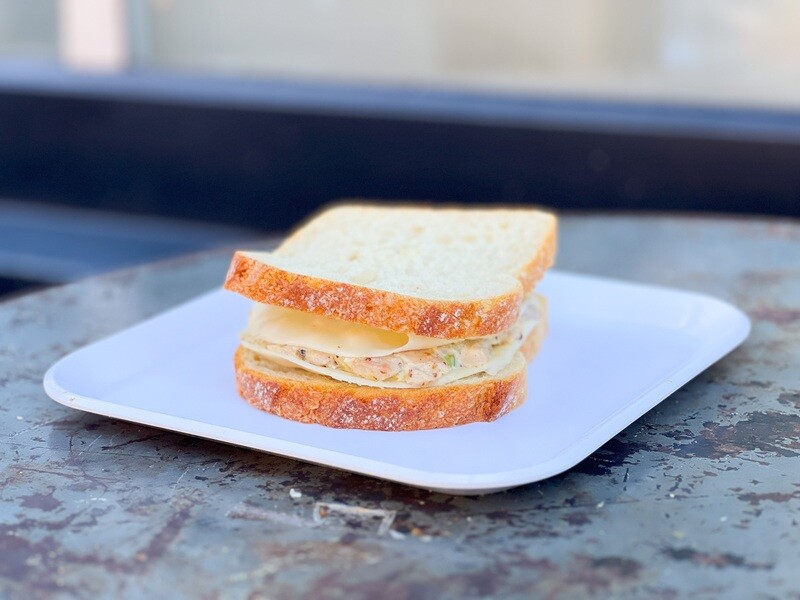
column 303, row 396
column 437, row 272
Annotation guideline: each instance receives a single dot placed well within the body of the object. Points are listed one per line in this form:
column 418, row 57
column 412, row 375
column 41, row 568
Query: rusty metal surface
column 699, row 498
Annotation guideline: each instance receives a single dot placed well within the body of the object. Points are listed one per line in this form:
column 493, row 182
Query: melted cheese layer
column 289, row 327
column 272, row 326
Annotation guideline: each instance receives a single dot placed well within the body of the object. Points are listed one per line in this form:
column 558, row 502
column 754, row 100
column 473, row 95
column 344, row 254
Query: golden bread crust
column 333, row 403
column 447, row 319
column 535, row 270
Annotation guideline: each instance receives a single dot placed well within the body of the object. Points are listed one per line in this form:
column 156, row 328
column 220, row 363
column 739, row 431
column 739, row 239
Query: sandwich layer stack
column 395, row 318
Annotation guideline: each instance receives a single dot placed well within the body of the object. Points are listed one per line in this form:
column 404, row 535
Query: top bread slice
column 437, row 272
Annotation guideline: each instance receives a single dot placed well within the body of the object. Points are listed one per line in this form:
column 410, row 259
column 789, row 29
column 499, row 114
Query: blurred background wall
column 709, row 51
column 741, row 52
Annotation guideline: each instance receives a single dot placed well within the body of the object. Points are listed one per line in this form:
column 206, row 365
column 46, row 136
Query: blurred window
column 740, row 52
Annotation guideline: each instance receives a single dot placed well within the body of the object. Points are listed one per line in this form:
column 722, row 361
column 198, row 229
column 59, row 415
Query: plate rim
column 709, row 353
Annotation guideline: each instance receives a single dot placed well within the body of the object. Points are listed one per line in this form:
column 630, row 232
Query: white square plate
column 614, row 350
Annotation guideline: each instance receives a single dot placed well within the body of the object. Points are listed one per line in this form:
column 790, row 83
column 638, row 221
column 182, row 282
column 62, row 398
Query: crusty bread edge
column 531, row 273
column 448, row 319
column 346, row 406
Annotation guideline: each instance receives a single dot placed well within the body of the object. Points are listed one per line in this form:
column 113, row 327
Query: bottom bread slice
column 307, row 397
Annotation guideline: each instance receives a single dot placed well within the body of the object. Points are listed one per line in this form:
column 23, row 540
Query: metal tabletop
column 698, row 498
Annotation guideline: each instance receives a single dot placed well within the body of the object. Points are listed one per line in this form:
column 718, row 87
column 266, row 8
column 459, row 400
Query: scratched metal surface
column 700, row 496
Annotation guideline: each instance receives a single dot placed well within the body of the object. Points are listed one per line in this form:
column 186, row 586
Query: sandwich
column 395, row 318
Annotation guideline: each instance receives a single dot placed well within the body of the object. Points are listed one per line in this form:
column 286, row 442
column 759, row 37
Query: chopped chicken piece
column 474, row 354
column 321, row 359
column 376, row 368
column 423, row 366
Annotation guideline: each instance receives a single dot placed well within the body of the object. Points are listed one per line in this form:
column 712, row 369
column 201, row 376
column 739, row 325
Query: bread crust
column 535, row 269
column 387, row 310
column 342, row 405
column 448, row 319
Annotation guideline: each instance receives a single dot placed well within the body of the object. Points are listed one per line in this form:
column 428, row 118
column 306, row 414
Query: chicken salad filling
column 408, row 368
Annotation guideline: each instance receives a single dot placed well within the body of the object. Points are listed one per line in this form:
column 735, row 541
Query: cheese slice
column 289, row 327
column 270, row 326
